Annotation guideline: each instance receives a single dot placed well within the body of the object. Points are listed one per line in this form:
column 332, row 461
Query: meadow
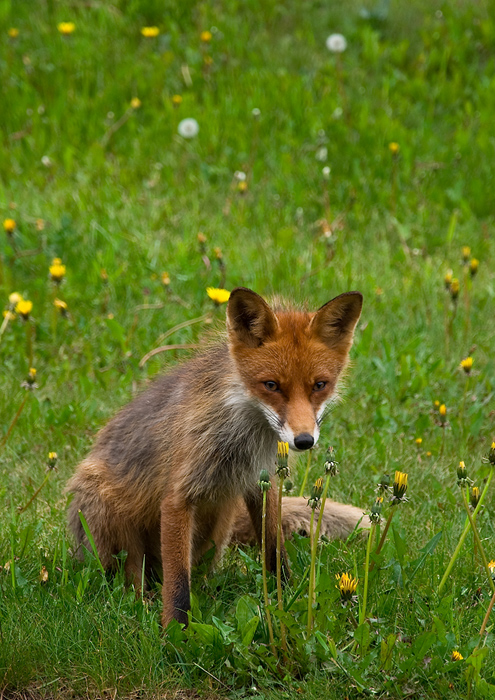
column 306, row 172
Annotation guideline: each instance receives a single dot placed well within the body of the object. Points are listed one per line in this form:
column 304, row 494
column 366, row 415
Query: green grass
column 132, row 202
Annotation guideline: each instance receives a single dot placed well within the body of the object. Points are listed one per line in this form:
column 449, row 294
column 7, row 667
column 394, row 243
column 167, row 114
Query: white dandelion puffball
column 336, row 43
column 188, row 128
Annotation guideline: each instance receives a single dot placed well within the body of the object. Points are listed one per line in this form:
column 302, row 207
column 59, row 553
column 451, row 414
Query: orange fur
column 165, row 477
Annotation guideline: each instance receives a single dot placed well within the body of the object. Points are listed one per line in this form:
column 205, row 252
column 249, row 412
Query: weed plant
column 311, row 174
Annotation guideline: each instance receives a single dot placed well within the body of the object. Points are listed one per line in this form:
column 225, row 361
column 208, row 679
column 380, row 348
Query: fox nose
column 304, row 441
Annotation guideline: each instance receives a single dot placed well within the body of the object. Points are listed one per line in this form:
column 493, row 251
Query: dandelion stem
column 265, row 585
column 311, row 588
column 35, row 494
column 279, row 562
column 477, row 539
column 485, row 620
column 384, row 535
column 4, row 324
column 306, row 473
column 14, row 420
column 463, row 536
column 29, row 343
column 362, row 615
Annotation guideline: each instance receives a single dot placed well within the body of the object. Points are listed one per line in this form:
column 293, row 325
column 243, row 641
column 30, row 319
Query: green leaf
column 386, row 652
column 362, row 636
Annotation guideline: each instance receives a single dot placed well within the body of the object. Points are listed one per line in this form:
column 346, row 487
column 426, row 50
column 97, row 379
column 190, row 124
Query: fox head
column 290, row 361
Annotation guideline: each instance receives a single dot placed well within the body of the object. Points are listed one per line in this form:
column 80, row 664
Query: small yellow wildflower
column 282, row 459
column 454, row 289
column 150, row 32
column 466, row 252
column 428, row 454
column 448, row 278
column 24, row 308
column 30, row 382
column 201, row 238
column 491, row 566
column 219, row 296
column 399, row 487
column 473, row 266
column 242, row 186
column 218, row 253
column 57, row 271
column 13, row 33
column 135, row 103
column 418, row 441
column 66, row 28
column 442, row 410
column 467, row 364
column 436, row 403
column 61, row 306
column 57, row 261
column 52, row 459
column 347, row 587
column 8, row 315
column 165, row 279
column 40, row 224
column 9, row 226
column 176, row 100
column 474, row 497
column 282, row 449
column 394, row 148
column 491, row 454
column 457, row 656
column 205, row 36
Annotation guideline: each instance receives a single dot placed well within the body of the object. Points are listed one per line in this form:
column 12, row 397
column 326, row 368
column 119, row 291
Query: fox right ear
column 250, row 320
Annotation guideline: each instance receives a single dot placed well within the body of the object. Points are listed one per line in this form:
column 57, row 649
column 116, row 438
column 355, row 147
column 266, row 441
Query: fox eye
column 319, row 386
column 271, row 386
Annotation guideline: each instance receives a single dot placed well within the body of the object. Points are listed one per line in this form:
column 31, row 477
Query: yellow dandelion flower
column 454, row 289
column 466, row 252
column 61, row 306
column 165, row 279
column 13, row 33
column 428, row 454
column 473, row 266
column 491, row 566
column 206, row 36
column 24, row 308
column 457, row 656
column 347, row 586
column 176, row 100
column 66, row 28
column 9, row 225
column 219, row 296
column 150, row 32
column 399, row 487
column 57, row 271
column 436, row 403
column 474, row 496
column 442, row 410
column 418, row 441
column 135, row 103
column 201, row 238
column 467, row 364
column 282, row 449
column 242, row 186
column 394, row 148
column 448, row 278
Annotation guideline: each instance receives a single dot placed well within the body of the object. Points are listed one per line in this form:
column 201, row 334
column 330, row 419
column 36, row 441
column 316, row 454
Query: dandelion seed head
column 336, row 43
column 188, row 128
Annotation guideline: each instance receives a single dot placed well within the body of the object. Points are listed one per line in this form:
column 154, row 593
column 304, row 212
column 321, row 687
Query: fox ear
column 250, row 320
column 334, row 323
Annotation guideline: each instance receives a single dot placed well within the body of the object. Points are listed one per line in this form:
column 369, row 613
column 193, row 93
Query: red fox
column 176, row 470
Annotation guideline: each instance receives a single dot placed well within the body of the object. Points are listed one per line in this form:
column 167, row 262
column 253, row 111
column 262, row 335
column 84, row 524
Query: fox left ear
column 335, row 321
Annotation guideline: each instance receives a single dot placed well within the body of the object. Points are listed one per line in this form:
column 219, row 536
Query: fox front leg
column 176, row 536
column 254, row 504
